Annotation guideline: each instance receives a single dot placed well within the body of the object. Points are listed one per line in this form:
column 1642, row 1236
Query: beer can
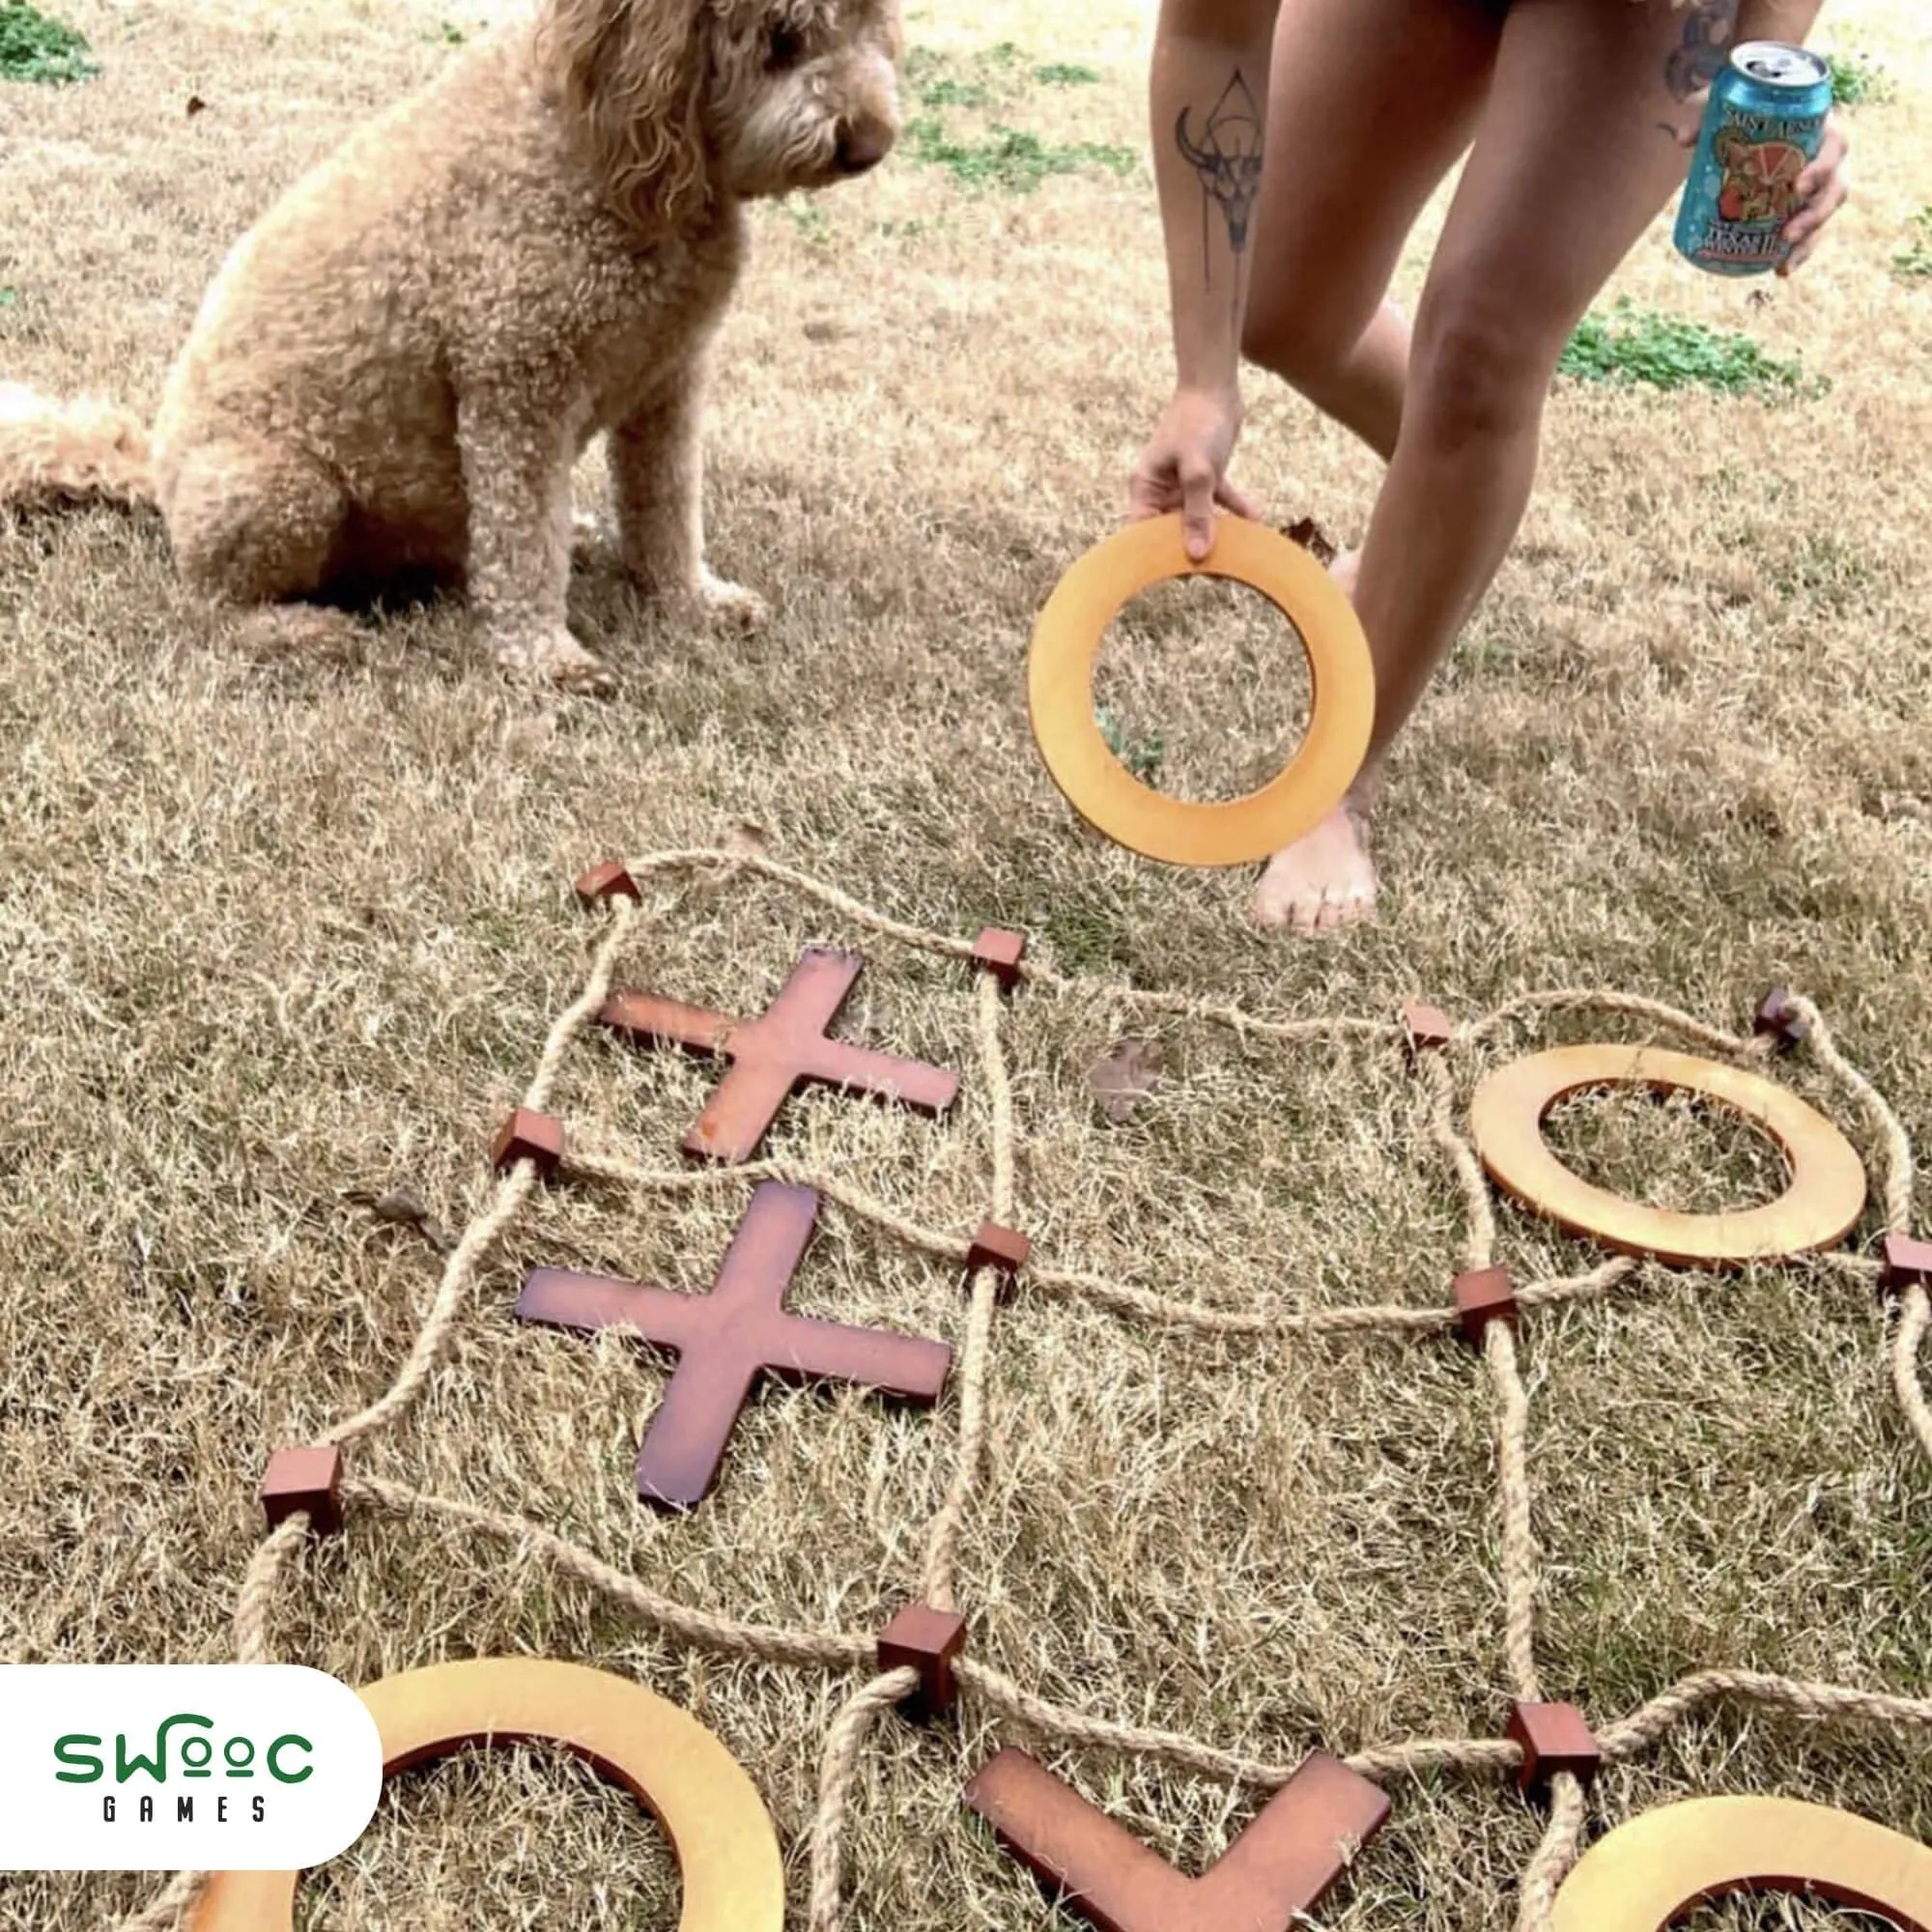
column 1763, row 123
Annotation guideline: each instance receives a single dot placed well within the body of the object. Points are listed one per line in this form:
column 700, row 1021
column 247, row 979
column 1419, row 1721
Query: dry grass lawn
column 277, row 935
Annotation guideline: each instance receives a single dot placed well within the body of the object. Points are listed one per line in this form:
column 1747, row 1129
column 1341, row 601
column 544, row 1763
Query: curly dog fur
column 396, row 370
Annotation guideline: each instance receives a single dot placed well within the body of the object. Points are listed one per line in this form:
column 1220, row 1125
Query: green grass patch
column 1008, row 158
column 1669, row 352
column 1857, row 77
column 1066, row 73
column 1143, row 756
column 1914, row 260
column 34, row 47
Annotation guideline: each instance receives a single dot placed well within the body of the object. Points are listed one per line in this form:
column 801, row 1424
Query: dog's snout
column 864, row 142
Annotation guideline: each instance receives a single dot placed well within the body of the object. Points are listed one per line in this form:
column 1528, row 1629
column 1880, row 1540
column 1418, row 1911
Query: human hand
column 1184, row 467
column 1819, row 192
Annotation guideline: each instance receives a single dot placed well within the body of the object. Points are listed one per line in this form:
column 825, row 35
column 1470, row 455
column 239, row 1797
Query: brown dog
column 396, row 370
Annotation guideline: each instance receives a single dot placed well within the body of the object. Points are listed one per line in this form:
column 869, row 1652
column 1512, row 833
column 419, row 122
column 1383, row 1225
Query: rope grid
column 1620, row 1740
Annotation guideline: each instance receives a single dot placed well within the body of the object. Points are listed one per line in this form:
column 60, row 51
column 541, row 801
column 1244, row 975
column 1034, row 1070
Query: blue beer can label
column 1763, row 123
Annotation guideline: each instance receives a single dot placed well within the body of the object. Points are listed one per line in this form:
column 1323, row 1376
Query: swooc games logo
column 154, row 1767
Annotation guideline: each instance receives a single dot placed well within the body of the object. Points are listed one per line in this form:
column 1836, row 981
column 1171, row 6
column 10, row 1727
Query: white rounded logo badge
column 161, row 1767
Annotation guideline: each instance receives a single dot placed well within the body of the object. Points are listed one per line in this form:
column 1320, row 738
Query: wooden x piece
column 729, row 1339
column 1278, row 1869
column 783, row 1048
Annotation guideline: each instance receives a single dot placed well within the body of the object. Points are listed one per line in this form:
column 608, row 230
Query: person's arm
column 1208, row 97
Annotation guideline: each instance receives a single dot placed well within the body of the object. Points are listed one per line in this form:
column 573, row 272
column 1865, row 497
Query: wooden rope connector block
column 1775, row 1017
column 929, row 1641
column 1000, row 952
column 1908, row 1263
column 604, row 883
column 1482, row 1296
column 304, row 1480
column 528, row 1135
column 1002, row 1249
column 1553, row 1737
column 1428, row 1028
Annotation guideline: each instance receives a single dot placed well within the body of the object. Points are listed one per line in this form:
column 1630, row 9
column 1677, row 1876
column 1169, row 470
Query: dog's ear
column 631, row 75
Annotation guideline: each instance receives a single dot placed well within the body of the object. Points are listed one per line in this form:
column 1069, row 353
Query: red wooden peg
column 1554, row 1737
column 1002, row 1249
column 1775, row 1015
column 1430, row 1029
column 1908, row 1263
column 1000, row 952
column 1483, row 1296
column 1274, row 1873
column 929, row 1641
column 771, row 1056
column 538, row 1138
column 304, row 1479
column 729, row 1340
column 604, row 883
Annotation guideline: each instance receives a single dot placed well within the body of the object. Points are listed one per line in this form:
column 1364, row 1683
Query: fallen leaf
column 195, row 105
column 1124, row 1076
column 404, row 1207
column 1313, row 538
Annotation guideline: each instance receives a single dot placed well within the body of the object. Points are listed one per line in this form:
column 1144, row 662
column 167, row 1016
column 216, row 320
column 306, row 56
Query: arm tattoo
column 1227, row 156
column 1699, row 57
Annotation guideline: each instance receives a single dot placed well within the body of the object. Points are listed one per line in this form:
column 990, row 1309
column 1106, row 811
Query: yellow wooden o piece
column 1066, row 645
column 1649, row 1872
column 727, row 1851
column 1818, row 1208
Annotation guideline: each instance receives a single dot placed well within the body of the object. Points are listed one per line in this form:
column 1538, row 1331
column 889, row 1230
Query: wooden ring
column 727, row 1853
column 1646, row 1874
column 1060, row 695
column 1822, row 1203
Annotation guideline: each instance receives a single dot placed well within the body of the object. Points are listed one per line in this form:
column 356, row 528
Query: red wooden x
column 777, row 1052
column 729, row 1339
column 1278, row 1869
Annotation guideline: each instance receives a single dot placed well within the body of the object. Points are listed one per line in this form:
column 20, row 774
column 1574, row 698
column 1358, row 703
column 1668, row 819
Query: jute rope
column 980, row 1682
column 837, row 1770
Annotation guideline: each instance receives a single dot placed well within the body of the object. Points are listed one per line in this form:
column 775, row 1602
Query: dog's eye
column 786, row 48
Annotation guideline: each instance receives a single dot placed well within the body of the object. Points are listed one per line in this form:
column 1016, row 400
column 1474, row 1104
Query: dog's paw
column 729, row 604
column 555, row 658
column 589, row 541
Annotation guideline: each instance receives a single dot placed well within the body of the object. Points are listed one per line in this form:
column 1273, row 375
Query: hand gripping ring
column 1060, row 694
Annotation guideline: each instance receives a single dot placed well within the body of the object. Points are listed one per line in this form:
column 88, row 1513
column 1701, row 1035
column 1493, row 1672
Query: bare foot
column 1325, row 882
column 1346, row 568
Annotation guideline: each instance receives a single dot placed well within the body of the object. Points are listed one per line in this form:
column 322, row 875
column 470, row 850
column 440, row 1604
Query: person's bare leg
column 1506, row 288
column 1369, row 104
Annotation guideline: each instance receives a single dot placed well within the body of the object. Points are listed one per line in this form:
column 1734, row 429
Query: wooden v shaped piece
column 775, row 1053
column 1279, row 1867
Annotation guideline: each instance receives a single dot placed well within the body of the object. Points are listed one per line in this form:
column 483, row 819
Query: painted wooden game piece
column 1820, row 1205
column 931, row 1642
column 1000, row 952
column 731, row 1878
column 729, row 1339
column 1646, row 1875
column 1066, row 645
column 1908, row 1263
column 304, row 1479
column 528, row 1135
column 1482, row 1296
column 607, row 882
column 1276, row 1871
column 783, row 1048
column 1555, row 1738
